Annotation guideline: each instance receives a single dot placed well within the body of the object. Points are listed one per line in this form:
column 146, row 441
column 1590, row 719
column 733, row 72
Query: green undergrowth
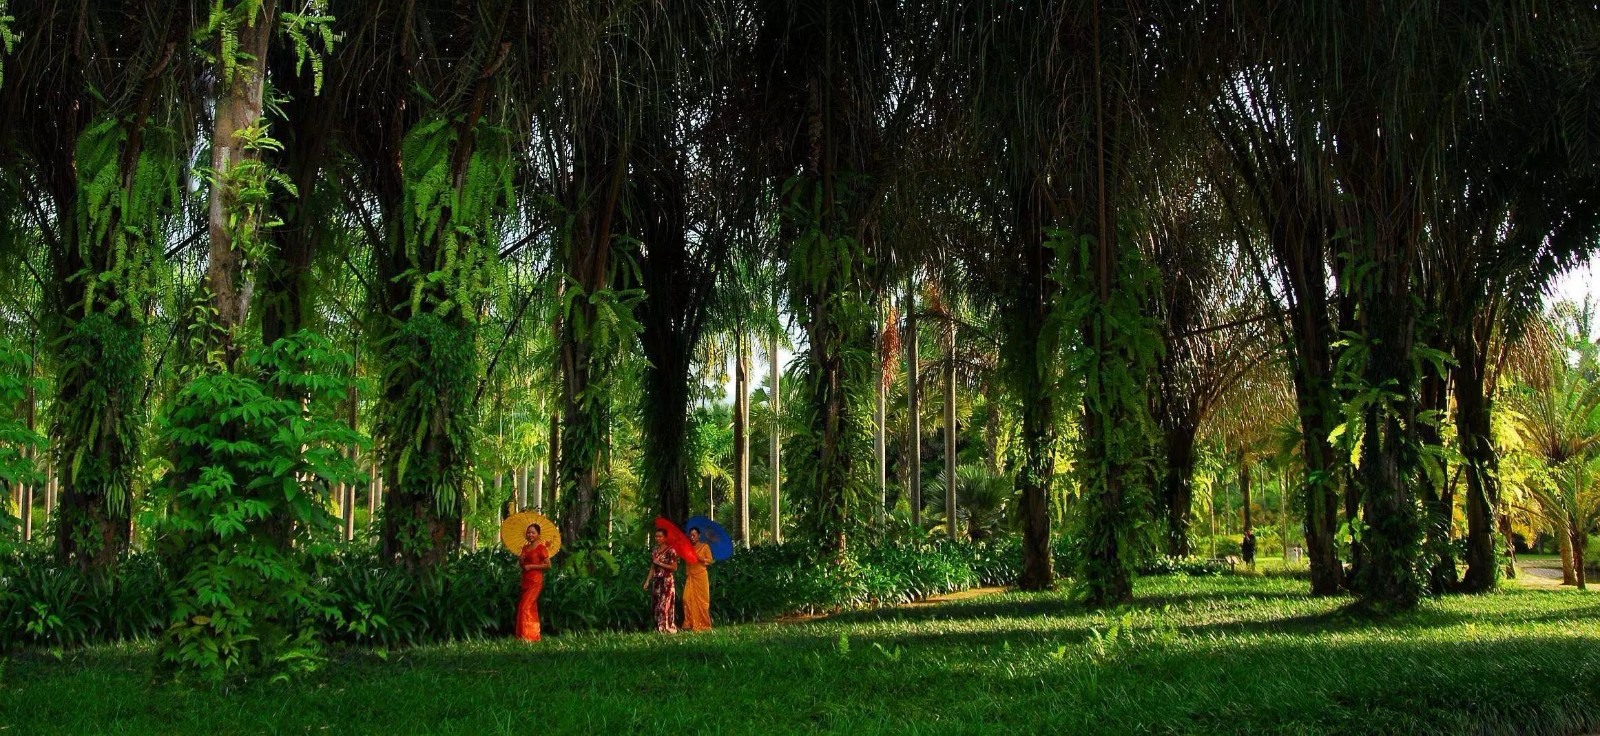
column 373, row 603
column 1228, row 654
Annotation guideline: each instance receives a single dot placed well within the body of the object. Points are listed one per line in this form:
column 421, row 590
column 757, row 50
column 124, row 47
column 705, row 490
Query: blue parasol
column 713, row 535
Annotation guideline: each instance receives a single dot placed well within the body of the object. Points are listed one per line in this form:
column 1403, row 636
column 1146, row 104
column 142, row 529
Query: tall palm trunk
column 880, row 435
column 1025, row 314
column 1580, row 555
column 1244, row 488
column 593, row 197
column 950, row 428
column 1178, row 487
column 913, row 405
column 1438, row 504
column 1569, row 574
column 1481, row 462
column 428, row 404
column 776, row 378
column 741, row 437
column 1388, row 464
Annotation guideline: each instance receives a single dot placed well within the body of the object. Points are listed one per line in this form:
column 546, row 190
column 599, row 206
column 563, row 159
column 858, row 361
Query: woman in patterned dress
column 661, row 585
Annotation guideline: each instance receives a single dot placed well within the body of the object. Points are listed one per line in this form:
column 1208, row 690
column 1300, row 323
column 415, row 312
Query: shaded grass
column 1193, row 655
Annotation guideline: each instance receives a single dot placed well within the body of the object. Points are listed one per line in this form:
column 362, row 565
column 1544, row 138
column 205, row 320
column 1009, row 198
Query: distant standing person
column 697, row 586
column 660, row 584
column 535, row 560
column 1247, row 548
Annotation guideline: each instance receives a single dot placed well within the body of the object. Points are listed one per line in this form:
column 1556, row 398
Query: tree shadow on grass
column 971, row 609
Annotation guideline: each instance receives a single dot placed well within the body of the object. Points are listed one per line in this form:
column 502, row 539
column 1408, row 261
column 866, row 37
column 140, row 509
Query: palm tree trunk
column 1283, row 514
column 1178, row 490
column 950, row 510
column 1439, row 559
column 880, row 420
column 553, row 466
column 374, row 492
column 49, row 492
column 741, row 437
column 1569, row 575
column 1244, row 489
column 537, row 479
column 913, row 401
column 1480, row 460
column 1580, row 555
column 520, row 481
column 776, row 388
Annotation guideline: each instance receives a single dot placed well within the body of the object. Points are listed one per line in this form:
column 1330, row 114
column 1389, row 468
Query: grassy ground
column 1236, row 654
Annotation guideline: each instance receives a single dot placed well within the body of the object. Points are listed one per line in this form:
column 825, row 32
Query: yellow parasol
column 516, row 525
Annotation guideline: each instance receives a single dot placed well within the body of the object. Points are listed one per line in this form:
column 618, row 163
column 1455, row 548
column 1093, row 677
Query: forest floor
column 1235, row 654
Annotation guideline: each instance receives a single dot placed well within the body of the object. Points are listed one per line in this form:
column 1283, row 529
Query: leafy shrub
column 254, row 451
column 46, row 605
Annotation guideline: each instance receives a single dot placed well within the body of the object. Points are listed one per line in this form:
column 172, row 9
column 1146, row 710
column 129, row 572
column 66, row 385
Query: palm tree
column 1561, row 425
column 983, row 501
column 98, row 125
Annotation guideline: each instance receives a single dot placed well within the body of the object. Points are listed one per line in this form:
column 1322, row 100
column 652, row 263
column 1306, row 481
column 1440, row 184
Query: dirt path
column 1540, row 572
column 959, row 595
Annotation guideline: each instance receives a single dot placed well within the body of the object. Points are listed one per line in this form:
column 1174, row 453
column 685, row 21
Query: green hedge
column 474, row 596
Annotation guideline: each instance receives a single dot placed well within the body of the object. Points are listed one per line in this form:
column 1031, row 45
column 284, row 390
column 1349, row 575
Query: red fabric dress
column 532, row 585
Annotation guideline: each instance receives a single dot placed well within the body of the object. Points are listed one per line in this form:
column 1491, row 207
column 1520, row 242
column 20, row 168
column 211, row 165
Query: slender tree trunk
column 1580, row 555
column 880, row 423
column 538, row 485
column 520, row 479
column 1283, row 514
column 1569, row 575
column 49, row 493
column 776, row 377
column 991, row 428
column 913, row 401
column 950, row 428
column 553, row 466
column 741, row 438
column 1244, row 489
column 349, row 512
column 27, row 512
column 374, row 492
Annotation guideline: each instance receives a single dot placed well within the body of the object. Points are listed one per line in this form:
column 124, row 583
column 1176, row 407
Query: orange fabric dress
column 697, row 591
column 532, row 585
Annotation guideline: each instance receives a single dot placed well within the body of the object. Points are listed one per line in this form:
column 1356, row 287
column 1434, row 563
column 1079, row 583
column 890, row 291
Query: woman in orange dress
column 697, row 587
column 535, row 560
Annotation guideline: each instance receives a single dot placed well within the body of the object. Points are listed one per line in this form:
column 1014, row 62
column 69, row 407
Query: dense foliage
column 305, row 298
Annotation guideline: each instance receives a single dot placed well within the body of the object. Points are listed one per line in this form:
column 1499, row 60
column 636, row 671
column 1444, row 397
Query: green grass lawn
column 1228, row 655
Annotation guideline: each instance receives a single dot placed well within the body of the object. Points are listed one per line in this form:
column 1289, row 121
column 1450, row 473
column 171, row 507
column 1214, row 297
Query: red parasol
column 678, row 541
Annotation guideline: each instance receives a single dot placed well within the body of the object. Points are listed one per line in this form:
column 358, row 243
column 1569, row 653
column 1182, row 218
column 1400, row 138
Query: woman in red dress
column 535, row 560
